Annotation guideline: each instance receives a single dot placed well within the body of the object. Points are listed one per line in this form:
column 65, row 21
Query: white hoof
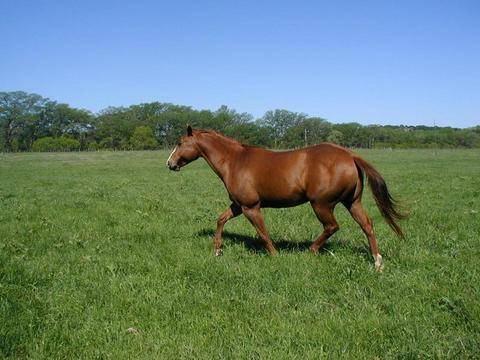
column 218, row 252
column 378, row 263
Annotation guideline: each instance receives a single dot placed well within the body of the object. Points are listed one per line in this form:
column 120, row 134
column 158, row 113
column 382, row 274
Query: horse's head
column 185, row 152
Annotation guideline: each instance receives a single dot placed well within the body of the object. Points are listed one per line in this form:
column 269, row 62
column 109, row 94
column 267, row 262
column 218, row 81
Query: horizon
column 374, row 63
column 96, row 113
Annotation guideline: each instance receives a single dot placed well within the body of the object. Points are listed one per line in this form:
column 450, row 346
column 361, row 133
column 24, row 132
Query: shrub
column 92, row 146
column 55, row 144
column 106, row 143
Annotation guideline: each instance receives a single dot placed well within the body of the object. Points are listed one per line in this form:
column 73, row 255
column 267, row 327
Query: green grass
column 92, row 244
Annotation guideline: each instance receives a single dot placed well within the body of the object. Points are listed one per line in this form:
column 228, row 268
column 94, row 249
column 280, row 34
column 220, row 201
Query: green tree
column 279, row 121
column 26, row 118
column 18, row 111
column 143, row 139
column 335, row 137
column 115, row 126
column 307, row 132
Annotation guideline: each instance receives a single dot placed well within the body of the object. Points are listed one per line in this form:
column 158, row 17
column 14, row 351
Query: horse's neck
column 219, row 153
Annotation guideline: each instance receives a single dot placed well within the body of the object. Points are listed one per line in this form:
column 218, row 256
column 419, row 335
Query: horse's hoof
column 379, row 263
column 313, row 250
column 218, row 252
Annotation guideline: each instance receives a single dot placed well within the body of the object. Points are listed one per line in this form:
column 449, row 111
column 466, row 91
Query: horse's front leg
column 254, row 215
column 233, row 211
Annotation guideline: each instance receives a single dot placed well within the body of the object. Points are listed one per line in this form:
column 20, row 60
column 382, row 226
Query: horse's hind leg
column 233, row 211
column 330, row 226
column 361, row 217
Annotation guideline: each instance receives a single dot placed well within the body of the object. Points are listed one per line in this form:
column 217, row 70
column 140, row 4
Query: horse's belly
column 282, row 203
column 283, row 190
column 270, row 185
column 285, row 197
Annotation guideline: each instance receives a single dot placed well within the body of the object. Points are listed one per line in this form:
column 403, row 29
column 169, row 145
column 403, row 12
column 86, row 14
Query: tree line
column 30, row 122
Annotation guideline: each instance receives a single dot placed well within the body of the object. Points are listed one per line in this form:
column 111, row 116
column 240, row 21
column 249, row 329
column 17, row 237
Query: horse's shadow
column 254, row 244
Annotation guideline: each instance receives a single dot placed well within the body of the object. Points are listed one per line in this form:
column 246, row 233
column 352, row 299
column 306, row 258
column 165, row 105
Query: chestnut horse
column 324, row 175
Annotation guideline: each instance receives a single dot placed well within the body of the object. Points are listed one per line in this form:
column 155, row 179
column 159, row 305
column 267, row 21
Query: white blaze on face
column 171, row 155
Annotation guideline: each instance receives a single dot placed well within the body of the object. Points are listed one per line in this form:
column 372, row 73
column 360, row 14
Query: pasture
column 92, row 244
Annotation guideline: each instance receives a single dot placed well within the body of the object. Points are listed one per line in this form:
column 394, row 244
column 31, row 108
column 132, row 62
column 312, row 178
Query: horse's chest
column 242, row 189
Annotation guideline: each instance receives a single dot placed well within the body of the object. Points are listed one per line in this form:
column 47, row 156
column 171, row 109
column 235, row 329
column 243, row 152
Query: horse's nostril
column 171, row 166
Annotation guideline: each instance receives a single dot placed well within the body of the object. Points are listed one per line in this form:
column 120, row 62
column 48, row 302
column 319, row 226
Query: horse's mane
column 225, row 137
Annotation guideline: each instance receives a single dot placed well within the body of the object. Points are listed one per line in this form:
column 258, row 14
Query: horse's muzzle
column 173, row 167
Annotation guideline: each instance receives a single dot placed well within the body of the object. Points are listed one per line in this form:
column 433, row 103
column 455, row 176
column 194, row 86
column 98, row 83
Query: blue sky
column 373, row 62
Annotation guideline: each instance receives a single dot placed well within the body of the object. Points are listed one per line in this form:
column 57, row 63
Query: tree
column 250, row 134
column 17, row 110
column 280, row 121
column 143, row 139
column 354, row 135
column 116, row 124
column 26, row 118
column 308, row 132
column 67, row 120
column 335, row 137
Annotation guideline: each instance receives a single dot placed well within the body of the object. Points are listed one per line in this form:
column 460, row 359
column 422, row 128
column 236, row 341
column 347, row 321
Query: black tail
column 385, row 202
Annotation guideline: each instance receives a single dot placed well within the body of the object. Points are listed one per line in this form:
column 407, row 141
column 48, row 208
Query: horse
column 324, row 175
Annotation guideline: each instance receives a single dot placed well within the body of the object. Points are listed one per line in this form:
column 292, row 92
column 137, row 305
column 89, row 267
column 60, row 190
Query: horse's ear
column 189, row 130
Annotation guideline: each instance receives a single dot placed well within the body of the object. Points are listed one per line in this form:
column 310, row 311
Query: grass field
column 93, row 244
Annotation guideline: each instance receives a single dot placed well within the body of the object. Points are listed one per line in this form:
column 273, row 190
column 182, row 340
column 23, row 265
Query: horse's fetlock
column 332, row 229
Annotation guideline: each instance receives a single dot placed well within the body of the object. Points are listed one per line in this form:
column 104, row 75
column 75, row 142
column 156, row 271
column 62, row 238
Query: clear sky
column 382, row 62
